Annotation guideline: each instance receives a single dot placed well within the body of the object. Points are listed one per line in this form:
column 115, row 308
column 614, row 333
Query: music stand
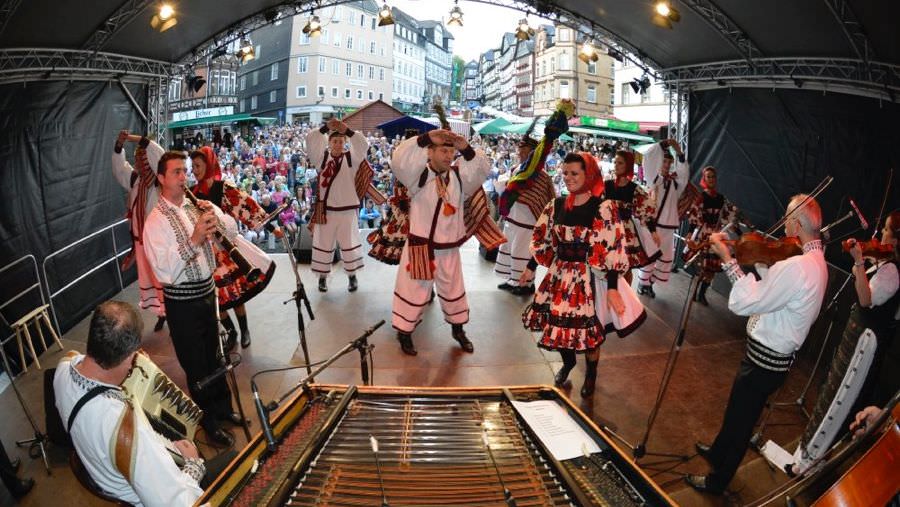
column 39, row 439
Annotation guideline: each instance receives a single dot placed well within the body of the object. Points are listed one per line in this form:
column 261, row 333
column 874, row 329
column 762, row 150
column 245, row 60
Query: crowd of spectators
column 271, row 164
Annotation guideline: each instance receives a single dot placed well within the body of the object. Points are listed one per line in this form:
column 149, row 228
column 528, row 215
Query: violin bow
column 812, row 195
column 887, row 190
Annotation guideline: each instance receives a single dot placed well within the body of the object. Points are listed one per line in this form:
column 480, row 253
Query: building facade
column 507, row 73
column 262, row 82
column 344, row 68
column 409, row 63
column 523, row 72
column 438, row 61
column 471, row 90
column 488, row 69
column 560, row 74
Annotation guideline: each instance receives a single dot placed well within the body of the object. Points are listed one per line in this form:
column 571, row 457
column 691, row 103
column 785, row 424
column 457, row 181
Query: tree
column 457, row 78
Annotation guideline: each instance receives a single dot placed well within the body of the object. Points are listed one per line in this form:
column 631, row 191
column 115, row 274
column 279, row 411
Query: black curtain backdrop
column 56, row 142
column 771, row 144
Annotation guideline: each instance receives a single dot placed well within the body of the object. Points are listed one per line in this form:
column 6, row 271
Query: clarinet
column 244, row 266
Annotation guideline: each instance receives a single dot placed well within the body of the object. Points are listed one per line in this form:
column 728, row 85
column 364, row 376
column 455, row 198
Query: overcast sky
column 483, row 25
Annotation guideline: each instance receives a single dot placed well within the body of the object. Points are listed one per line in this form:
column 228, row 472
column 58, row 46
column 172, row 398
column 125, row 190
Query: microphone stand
column 226, row 362
column 361, row 344
column 39, row 440
column 300, row 300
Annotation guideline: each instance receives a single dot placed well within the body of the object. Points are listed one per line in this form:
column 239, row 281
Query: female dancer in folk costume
column 524, row 197
column 578, row 238
column 709, row 213
column 142, row 197
column 387, row 241
column 637, row 210
column 234, row 289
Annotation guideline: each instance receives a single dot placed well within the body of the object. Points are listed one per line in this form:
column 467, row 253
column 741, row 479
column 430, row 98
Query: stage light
column 164, row 18
column 798, row 82
column 246, row 52
column 721, row 82
column 665, row 14
column 635, row 85
column 456, row 15
column 645, row 84
column 615, row 55
column 588, row 52
column 313, row 27
column 384, row 16
column 196, row 83
column 523, row 31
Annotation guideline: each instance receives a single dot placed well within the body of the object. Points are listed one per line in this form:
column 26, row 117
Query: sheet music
column 556, row 429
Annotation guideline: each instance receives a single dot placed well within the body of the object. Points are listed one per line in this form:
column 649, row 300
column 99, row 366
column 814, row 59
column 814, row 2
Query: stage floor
column 505, row 354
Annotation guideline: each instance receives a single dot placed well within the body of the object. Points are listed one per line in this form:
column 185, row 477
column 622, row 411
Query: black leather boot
column 460, row 336
column 590, row 379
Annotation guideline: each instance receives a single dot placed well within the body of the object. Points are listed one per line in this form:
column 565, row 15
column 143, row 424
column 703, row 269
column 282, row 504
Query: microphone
column 212, row 377
column 862, row 220
column 263, row 417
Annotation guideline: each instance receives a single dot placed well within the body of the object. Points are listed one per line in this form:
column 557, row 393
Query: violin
column 753, row 248
column 872, row 248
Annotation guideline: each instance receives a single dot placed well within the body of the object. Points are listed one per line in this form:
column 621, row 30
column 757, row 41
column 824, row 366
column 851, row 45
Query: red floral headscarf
column 593, row 180
column 629, row 161
column 213, row 171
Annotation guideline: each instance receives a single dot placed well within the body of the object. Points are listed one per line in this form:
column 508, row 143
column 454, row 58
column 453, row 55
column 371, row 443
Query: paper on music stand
column 776, row 455
column 556, row 429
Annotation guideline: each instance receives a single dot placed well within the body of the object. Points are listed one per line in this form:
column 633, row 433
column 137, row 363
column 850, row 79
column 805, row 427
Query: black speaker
column 302, row 247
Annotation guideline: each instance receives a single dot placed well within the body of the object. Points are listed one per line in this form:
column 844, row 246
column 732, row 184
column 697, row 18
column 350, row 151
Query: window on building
column 371, row 95
column 592, row 68
column 320, row 91
column 612, row 95
column 372, row 46
column 254, row 78
column 253, row 102
column 371, row 72
column 175, row 89
column 348, row 69
column 351, row 17
column 360, row 44
column 380, row 96
column 359, row 70
column 592, row 94
column 258, row 51
column 334, row 91
column 373, row 22
column 359, row 94
column 213, row 82
column 336, row 15
column 273, row 72
column 302, row 64
column 626, row 93
column 349, row 42
column 242, row 106
column 564, row 35
column 301, row 92
column 645, row 96
column 273, row 96
column 346, row 93
column 337, row 39
column 335, row 66
column 323, row 63
column 243, row 83
column 304, row 39
column 564, row 61
column 324, row 36
column 564, row 90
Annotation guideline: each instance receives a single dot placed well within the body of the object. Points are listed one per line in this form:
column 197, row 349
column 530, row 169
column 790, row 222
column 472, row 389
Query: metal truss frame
column 679, row 115
column 845, row 75
column 126, row 13
column 38, row 64
column 852, row 28
column 727, row 28
column 7, row 9
column 541, row 8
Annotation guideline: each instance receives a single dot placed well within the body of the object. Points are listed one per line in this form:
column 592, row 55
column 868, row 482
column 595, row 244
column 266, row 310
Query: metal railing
column 104, row 262
column 35, row 285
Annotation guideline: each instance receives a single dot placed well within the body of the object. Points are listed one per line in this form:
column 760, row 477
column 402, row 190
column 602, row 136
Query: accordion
column 688, row 197
column 170, row 411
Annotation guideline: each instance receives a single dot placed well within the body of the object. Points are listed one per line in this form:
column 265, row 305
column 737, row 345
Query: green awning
column 491, row 127
column 521, row 128
column 225, row 118
column 611, row 133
